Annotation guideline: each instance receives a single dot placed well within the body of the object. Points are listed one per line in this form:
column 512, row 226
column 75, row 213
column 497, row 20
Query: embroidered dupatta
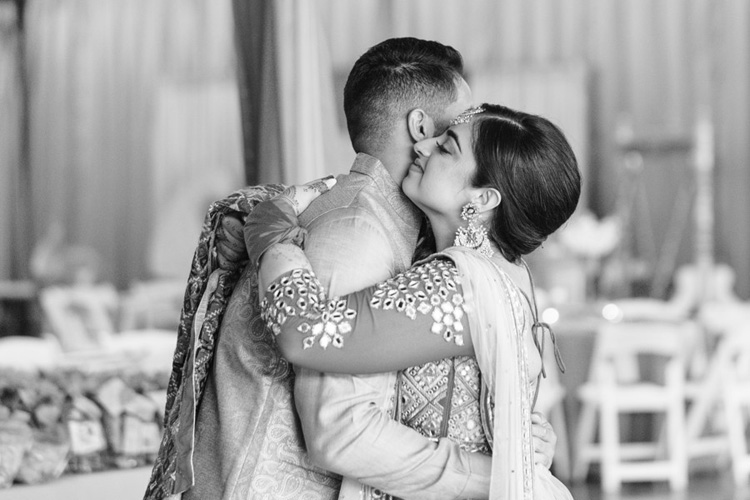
column 498, row 324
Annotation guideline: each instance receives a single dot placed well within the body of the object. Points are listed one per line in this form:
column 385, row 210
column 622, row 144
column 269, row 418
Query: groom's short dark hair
column 394, row 77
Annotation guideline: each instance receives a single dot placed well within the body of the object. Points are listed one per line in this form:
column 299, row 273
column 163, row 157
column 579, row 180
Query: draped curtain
column 134, row 126
column 13, row 192
column 259, row 93
column 291, row 122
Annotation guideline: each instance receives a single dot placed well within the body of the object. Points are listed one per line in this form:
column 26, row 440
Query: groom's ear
column 420, row 125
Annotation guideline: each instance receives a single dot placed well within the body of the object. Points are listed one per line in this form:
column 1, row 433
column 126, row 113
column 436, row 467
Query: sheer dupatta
column 498, row 324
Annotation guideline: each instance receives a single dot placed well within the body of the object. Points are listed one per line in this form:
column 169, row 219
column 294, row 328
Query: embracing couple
column 409, row 319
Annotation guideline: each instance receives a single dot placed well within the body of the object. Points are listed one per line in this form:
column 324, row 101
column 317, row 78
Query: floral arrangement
column 590, row 241
column 588, row 237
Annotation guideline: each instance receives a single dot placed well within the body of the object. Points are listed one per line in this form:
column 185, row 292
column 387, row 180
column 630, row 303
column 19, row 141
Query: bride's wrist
column 271, row 222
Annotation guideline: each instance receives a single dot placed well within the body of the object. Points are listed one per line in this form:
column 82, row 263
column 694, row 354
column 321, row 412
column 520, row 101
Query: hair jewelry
column 467, row 115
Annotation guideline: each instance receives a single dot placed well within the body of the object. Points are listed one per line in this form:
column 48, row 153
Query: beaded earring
column 474, row 235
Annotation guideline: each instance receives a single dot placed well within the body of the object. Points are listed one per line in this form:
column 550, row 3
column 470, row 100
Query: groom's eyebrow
column 453, row 135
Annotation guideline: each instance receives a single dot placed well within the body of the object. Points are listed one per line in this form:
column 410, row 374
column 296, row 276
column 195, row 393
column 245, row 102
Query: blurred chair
column 84, row 319
column 153, row 304
column 707, row 294
column 718, row 311
column 733, row 356
column 637, row 367
column 80, row 316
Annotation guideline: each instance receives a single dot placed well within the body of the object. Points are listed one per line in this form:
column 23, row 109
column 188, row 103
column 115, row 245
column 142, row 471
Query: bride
column 493, row 187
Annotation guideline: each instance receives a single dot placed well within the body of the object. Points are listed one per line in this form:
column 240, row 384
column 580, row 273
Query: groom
column 249, row 441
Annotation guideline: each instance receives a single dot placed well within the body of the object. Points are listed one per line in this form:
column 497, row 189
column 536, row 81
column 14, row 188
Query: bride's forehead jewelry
column 467, row 115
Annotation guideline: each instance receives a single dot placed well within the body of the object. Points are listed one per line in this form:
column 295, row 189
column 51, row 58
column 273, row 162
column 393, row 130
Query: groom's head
column 401, row 91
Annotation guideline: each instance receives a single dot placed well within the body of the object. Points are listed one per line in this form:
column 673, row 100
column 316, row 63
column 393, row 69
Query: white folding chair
column 733, row 356
column 610, row 393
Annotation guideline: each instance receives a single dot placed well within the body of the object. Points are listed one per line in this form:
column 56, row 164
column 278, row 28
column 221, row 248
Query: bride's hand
column 300, row 197
column 545, row 440
column 275, row 221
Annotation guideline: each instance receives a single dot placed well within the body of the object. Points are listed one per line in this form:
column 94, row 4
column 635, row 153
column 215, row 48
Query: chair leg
column 736, row 430
column 678, row 448
column 610, row 446
column 585, row 436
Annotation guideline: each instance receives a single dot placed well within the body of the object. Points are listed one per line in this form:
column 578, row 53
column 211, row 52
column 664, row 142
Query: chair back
column 694, row 285
column 621, row 349
column 81, row 316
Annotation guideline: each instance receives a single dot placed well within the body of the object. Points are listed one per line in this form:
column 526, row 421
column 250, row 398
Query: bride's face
column 439, row 180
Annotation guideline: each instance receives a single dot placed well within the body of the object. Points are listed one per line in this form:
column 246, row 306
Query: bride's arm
column 416, row 317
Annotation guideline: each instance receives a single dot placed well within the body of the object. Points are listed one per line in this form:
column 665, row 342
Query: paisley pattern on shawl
column 207, row 294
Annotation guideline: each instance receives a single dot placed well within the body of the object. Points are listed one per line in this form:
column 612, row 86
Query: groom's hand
column 545, row 440
column 230, row 242
column 300, row 197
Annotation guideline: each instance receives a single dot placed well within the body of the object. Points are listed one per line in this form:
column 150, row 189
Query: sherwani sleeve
column 344, row 418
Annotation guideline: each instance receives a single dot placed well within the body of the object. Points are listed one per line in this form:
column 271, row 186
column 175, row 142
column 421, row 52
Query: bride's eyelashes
column 441, row 148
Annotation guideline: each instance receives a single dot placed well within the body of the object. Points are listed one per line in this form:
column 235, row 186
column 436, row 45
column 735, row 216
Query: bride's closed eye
column 442, row 148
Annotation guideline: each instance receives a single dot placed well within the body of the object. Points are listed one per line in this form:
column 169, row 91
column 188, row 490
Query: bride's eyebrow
column 454, row 136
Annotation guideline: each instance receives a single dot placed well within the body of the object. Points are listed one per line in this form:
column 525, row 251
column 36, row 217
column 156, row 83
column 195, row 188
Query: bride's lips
column 416, row 166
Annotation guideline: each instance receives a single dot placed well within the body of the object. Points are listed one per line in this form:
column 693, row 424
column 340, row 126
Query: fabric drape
column 14, row 226
column 290, row 107
column 255, row 28
column 131, row 105
column 313, row 142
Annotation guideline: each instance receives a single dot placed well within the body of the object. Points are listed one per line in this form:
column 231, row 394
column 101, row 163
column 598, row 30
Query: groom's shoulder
column 353, row 195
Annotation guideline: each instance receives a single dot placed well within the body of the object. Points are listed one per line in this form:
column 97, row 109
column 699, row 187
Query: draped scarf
column 209, row 288
column 498, row 323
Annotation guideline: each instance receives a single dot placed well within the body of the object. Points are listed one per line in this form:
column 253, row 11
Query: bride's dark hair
column 529, row 161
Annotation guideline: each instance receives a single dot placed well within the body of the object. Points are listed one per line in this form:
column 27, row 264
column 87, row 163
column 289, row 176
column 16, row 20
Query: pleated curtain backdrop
column 133, row 108
column 291, row 111
column 14, row 202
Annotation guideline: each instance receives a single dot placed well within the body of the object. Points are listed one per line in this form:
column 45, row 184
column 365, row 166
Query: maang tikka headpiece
column 474, row 235
column 467, row 115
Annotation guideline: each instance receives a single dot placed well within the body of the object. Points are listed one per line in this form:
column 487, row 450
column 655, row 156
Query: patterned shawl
column 209, row 288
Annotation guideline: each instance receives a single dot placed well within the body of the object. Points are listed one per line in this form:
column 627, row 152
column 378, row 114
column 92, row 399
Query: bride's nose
column 422, row 148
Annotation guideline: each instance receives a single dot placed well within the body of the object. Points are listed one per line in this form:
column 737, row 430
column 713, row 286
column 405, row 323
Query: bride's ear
column 488, row 199
column 420, row 125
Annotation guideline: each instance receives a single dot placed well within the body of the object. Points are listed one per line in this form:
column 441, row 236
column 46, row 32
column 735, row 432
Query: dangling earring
column 474, row 235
